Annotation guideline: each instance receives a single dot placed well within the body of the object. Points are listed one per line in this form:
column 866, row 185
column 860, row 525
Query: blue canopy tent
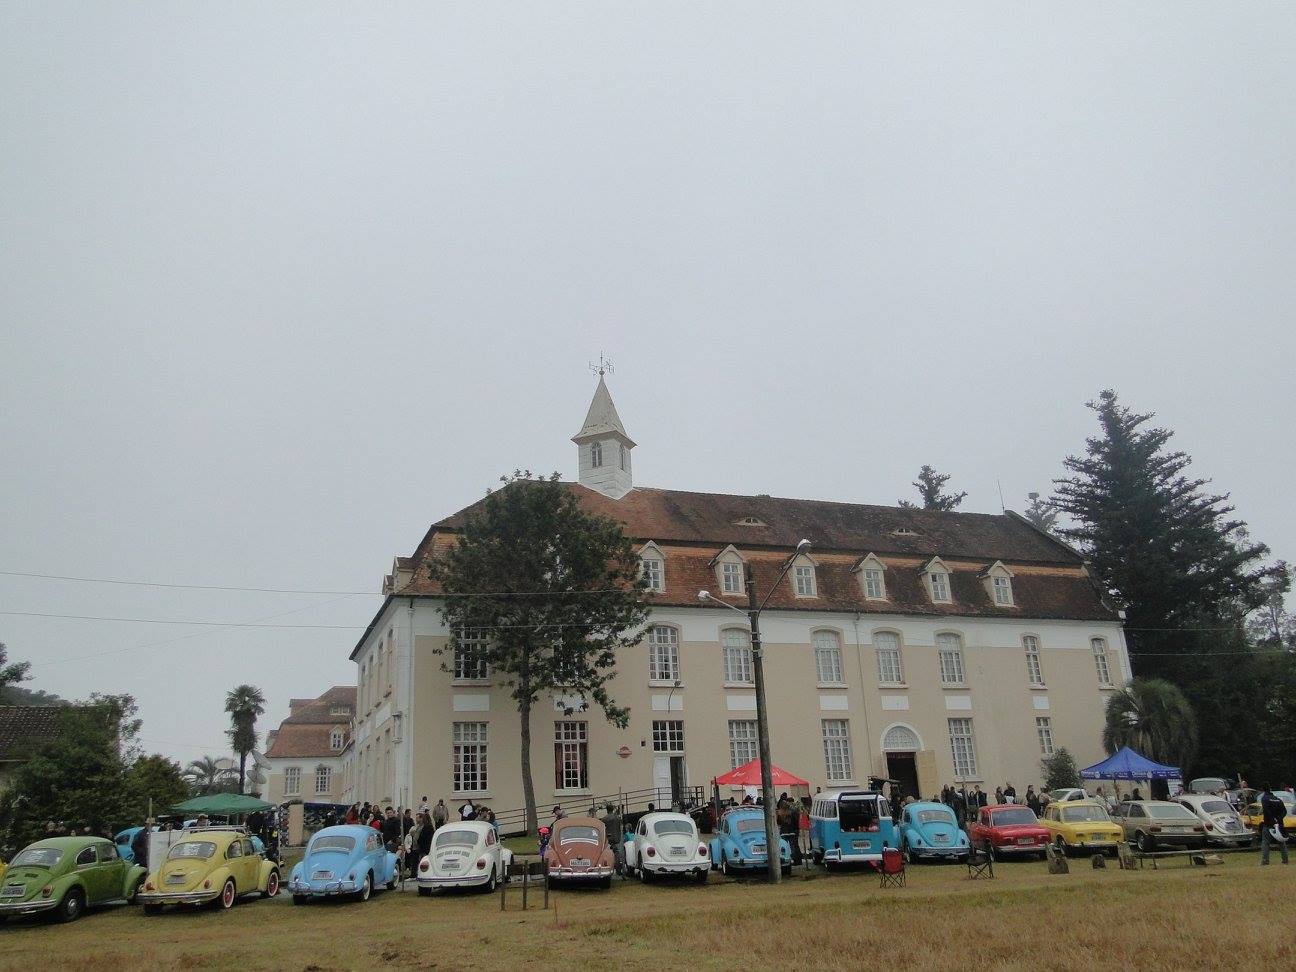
column 1125, row 764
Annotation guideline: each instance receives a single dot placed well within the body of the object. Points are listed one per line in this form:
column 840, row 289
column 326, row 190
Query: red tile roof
column 307, row 732
column 24, row 727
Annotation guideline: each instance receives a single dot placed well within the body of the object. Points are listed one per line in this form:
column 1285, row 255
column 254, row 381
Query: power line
column 184, row 587
column 215, row 624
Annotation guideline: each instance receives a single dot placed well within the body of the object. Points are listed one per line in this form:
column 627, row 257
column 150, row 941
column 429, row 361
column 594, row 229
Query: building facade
column 306, row 754
column 913, row 645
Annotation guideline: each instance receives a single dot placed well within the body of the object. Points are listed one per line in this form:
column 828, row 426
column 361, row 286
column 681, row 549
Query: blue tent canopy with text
column 1125, row 764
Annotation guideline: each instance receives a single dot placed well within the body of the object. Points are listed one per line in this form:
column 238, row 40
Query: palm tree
column 1152, row 716
column 243, row 704
column 207, row 775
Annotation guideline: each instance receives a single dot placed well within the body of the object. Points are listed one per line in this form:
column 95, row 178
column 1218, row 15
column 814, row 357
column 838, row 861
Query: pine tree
column 1041, row 512
column 580, row 600
column 931, row 487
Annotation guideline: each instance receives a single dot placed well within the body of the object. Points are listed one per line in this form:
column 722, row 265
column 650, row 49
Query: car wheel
column 645, row 876
column 908, row 853
column 1144, row 842
column 606, row 884
column 300, row 899
column 492, row 882
column 130, row 898
column 724, row 865
column 366, row 889
column 152, row 909
column 72, row 906
column 272, row 884
column 1060, row 846
column 787, row 870
column 702, row 876
column 425, row 892
column 228, row 895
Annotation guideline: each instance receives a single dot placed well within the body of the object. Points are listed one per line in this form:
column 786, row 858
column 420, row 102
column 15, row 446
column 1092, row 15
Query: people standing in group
column 412, row 839
column 423, row 806
column 1032, row 799
column 999, row 795
column 407, row 823
column 468, row 811
column 353, row 814
column 1273, row 831
column 788, row 816
column 614, row 827
column 440, row 814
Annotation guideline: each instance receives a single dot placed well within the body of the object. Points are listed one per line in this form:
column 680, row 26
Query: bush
column 1060, row 770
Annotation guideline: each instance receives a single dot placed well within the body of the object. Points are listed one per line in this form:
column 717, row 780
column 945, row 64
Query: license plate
column 579, row 862
column 13, row 891
column 1025, row 840
column 758, row 848
column 1100, row 840
column 679, row 852
column 860, row 845
column 175, row 879
column 942, row 838
column 322, row 876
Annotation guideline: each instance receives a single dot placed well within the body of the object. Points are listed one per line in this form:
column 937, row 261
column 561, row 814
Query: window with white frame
column 668, row 736
column 965, row 764
column 889, row 666
column 737, row 656
column 940, row 585
column 950, row 650
column 803, row 576
column 470, row 655
column 1099, row 646
column 1034, row 671
column 335, row 739
column 837, row 749
column 663, row 653
column 624, row 456
column 292, row 781
column 1044, row 729
column 571, row 756
column 731, row 577
column 874, row 584
column 1002, row 590
column 596, row 455
column 653, row 573
column 323, row 779
column 469, row 756
column 828, row 658
column 743, row 746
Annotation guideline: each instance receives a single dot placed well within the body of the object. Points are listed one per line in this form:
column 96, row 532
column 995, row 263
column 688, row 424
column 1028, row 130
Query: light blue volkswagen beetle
column 739, row 843
column 930, row 831
column 344, row 860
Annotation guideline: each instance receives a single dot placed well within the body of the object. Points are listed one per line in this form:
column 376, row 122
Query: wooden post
column 544, row 865
column 526, row 878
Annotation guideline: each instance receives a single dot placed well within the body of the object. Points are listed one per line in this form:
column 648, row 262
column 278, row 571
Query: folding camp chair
column 980, row 861
column 893, row 868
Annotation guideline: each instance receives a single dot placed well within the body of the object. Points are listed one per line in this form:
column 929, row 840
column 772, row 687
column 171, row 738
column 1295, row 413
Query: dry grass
column 1237, row 915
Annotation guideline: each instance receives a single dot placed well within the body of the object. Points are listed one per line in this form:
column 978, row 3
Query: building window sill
column 831, row 685
column 470, row 795
column 740, row 685
column 841, row 783
column 957, row 686
column 893, row 685
column 1039, row 688
column 583, row 791
column 1106, row 686
column 664, row 683
column 470, row 682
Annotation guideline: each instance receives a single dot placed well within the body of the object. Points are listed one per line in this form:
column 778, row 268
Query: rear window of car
column 1215, row 806
column 575, row 834
column 748, row 824
column 37, row 857
column 333, row 843
column 1084, row 814
column 1003, row 818
column 935, row 816
column 456, row 838
column 1169, row 811
column 191, row 850
column 664, row 827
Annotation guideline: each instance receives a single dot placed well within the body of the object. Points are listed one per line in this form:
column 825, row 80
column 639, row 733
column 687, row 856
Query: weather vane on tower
column 604, row 366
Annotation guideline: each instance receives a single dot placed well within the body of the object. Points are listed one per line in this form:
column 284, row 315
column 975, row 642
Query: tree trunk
column 242, row 771
column 528, row 785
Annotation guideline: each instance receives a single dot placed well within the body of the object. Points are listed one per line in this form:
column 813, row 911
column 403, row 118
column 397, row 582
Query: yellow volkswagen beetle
column 209, row 865
column 1254, row 816
column 1081, row 825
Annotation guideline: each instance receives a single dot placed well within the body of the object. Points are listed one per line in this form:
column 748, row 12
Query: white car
column 467, row 854
column 1224, row 827
column 1063, row 794
column 667, row 843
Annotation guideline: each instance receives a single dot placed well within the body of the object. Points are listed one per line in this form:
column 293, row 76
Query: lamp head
column 803, row 546
column 704, row 595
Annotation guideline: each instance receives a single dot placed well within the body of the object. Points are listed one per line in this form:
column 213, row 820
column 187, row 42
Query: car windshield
column 1208, row 784
column 935, row 816
column 1215, row 806
column 571, row 835
column 1022, row 815
column 663, row 828
column 747, row 824
column 1168, row 811
column 858, row 814
column 1084, row 814
column 333, row 843
column 188, row 849
column 38, row 857
column 456, row 838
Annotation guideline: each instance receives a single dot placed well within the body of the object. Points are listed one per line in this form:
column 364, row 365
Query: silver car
column 1157, row 824
column 1224, row 827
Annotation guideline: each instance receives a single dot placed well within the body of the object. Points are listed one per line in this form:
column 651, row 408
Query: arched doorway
column 900, row 747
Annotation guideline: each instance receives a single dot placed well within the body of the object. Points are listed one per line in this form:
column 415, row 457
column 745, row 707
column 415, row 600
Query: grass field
column 1237, row 914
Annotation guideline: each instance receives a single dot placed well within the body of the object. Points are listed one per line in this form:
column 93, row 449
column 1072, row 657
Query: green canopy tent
column 222, row 805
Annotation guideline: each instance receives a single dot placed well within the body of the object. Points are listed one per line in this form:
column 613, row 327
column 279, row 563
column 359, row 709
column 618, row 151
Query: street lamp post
column 774, row 864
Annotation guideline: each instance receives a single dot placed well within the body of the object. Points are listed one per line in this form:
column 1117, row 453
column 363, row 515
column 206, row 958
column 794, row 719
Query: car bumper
column 1179, row 840
column 177, row 897
column 455, row 881
column 938, row 852
column 323, row 890
column 1092, row 843
column 1001, row 850
column 27, row 907
column 584, row 874
column 677, row 867
column 836, row 856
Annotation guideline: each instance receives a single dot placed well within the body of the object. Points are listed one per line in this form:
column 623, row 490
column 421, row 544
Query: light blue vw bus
column 850, row 826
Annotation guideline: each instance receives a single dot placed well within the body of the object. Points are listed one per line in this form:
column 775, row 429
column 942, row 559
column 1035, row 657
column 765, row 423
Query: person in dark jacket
column 391, row 829
column 1272, row 830
column 139, row 844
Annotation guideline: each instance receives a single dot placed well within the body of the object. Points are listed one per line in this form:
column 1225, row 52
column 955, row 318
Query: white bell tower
column 602, row 444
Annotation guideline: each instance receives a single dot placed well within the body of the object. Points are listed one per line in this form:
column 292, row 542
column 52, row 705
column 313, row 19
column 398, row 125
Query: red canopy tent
column 749, row 774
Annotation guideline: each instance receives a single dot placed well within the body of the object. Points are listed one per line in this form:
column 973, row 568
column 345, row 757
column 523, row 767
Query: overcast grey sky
column 281, row 284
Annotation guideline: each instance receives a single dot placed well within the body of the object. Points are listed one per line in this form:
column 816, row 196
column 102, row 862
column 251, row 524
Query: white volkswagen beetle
column 667, row 843
column 467, row 854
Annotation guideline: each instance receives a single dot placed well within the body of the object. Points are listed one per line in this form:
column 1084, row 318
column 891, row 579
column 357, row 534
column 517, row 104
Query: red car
column 1010, row 829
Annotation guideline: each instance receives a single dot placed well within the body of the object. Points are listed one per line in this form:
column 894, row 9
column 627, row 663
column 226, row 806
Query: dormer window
column 729, row 568
column 998, row 583
column 904, row 532
column 938, row 581
column 596, row 454
column 803, row 576
column 335, row 739
column 652, row 566
column 872, row 576
column 751, row 521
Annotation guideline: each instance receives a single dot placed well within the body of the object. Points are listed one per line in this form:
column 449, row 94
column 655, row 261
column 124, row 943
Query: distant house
column 23, row 728
column 305, row 754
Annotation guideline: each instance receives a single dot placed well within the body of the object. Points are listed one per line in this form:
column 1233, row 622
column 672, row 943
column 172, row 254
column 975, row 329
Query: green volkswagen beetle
column 66, row 875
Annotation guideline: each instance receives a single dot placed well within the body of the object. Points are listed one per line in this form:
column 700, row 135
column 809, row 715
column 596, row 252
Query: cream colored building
column 306, row 755
column 925, row 647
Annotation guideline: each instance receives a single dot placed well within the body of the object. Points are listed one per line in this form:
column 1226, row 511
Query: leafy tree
column 207, row 775
column 1271, row 624
column 1041, row 512
column 1152, row 717
column 155, row 783
column 11, row 675
column 579, row 598
column 931, row 487
column 1060, row 770
column 243, row 704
